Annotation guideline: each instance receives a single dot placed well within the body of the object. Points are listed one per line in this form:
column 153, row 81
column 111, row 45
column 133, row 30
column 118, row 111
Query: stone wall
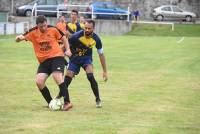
column 104, row 27
column 144, row 6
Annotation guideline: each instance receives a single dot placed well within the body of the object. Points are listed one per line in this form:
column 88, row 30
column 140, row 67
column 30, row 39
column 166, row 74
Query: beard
column 88, row 33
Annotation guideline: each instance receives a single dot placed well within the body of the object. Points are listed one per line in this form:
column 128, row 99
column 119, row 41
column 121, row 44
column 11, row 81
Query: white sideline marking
column 7, row 39
column 181, row 40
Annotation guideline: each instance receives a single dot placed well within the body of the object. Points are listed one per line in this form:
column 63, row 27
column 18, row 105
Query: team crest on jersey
column 45, row 46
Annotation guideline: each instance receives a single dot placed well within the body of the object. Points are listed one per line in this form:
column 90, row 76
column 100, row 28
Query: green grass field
column 153, row 88
column 165, row 30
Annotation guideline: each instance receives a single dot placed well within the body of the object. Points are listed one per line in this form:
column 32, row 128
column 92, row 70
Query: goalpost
column 158, row 23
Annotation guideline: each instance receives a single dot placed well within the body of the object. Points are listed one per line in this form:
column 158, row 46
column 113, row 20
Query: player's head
column 74, row 15
column 62, row 19
column 89, row 27
column 41, row 22
column 82, row 19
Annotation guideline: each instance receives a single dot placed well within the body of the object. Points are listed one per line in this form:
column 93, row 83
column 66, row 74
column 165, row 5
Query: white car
column 172, row 12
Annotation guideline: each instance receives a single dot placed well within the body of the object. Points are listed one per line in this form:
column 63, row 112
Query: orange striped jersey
column 45, row 44
column 62, row 27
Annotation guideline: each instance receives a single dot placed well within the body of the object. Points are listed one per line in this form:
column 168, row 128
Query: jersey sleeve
column 98, row 42
column 79, row 28
column 58, row 34
column 29, row 36
column 73, row 39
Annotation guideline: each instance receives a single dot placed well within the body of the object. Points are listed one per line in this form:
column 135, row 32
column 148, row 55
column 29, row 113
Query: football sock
column 64, row 92
column 67, row 81
column 46, row 94
column 94, row 85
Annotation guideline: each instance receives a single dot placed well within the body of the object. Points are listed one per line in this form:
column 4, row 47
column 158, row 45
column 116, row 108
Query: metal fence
column 13, row 28
column 66, row 9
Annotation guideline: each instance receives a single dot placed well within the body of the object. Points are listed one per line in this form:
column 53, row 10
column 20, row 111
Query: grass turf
column 153, row 87
column 165, row 30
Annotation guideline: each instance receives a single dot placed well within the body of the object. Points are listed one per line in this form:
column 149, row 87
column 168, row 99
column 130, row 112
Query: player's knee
column 58, row 77
column 40, row 84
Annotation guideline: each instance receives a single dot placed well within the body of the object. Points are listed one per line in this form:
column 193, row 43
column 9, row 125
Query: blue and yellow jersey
column 82, row 25
column 73, row 27
column 80, row 45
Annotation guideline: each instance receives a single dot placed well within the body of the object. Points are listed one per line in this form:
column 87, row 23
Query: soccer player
column 82, row 22
column 50, row 56
column 81, row 44
column 62, row 26
column 74, row 25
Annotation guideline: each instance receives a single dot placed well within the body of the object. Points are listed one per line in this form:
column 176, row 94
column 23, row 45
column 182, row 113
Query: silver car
column 172, row 12
column 44, row 7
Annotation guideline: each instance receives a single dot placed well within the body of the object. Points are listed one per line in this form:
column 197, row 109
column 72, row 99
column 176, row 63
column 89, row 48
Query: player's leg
column 93, row 83
column 57, row 74
column 40, row 82
column 68, row 77
column 43, row 73
column 70, row 73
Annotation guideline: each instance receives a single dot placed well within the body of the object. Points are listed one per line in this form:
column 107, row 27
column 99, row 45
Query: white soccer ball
column 55, row 104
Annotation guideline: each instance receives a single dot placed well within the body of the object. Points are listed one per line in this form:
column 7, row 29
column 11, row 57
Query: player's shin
column 64, row 92
column 46, row 94
column 67, row 81
column 94, row 85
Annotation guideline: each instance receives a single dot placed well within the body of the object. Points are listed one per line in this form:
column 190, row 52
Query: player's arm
column 68, row 34
column 103, row 63
column 19, row 38
column 101, row 57
column 66, row 45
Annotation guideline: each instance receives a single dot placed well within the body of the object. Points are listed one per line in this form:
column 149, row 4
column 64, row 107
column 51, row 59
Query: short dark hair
column 91, row 22
column 75, row 11
column 41, row 19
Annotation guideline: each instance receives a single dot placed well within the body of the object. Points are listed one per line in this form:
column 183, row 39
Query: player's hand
column 105, row 76
column 68, row 53
column 68, row 34
column 19, row 38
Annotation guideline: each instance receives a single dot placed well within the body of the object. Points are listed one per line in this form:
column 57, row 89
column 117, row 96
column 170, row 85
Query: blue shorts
column 76, row 63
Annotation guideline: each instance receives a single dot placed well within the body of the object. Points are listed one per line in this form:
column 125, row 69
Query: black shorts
column 52, row 64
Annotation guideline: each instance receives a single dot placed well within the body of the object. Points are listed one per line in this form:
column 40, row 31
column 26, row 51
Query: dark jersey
column 73, row 27
column 82, row 46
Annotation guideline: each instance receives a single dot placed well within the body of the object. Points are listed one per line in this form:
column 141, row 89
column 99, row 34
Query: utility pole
column 12, row 8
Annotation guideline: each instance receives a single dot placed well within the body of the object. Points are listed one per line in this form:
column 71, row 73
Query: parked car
column 166, row 12
column 45, row 5
column 101, row 10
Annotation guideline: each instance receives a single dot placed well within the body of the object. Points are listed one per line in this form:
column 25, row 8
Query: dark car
column 107, row 10
column 48, row 7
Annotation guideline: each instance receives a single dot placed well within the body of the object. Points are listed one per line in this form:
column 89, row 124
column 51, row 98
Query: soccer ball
column 55, row 104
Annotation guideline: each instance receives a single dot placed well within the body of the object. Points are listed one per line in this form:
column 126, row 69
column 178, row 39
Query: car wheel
column 121, row 17
column 28, row 13
column 160, row 18
column 188, row 18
